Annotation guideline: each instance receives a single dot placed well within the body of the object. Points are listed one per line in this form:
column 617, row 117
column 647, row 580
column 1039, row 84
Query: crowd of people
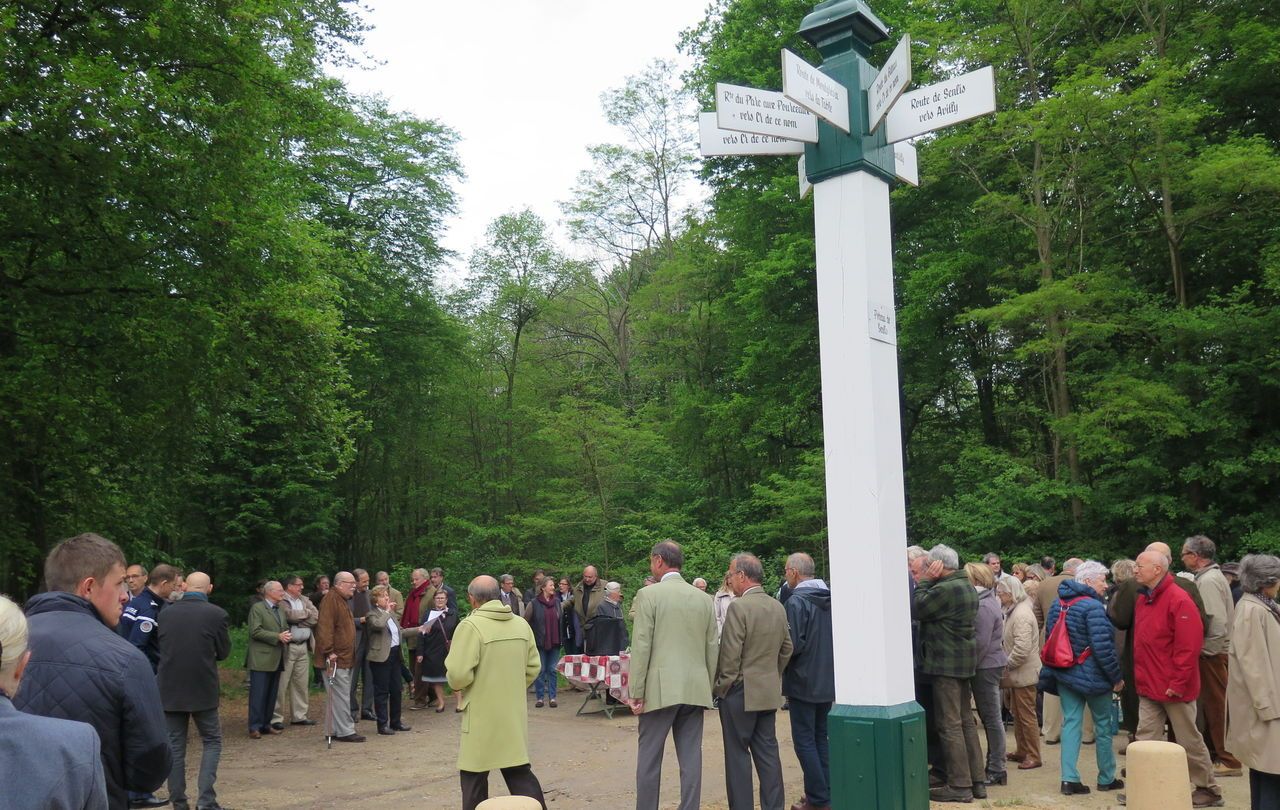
column 1080, row 656
column 102, row 674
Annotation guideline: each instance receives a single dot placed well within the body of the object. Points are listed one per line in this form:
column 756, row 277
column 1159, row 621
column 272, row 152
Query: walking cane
column 329, row 675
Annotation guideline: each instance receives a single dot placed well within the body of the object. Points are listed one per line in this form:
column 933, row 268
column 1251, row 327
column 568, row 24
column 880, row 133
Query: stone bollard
column 1157, row 776
column 524, row 802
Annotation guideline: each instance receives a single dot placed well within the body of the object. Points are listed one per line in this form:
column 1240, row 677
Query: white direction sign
column 763, row 112
column 717, row 142
column 905, row 165
column 805, row 185
column 942, row 104
column 889, row 83
column 805, row 84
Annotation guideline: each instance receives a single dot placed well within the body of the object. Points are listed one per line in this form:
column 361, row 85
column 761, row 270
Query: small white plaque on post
column 889, row 83
column 941, row 105
column 880, row 323
column 905, row 164
column 805, row 84
column 716, row 142
column 763, row 112
column 805, row 185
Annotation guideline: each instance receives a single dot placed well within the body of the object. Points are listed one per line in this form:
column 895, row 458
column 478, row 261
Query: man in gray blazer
column 673, row 662
column 755, row 646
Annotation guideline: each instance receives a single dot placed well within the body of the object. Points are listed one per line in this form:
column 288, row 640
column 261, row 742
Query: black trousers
column 1264, row 790
column 386, row 690
column 520, row 782
column 263, row 687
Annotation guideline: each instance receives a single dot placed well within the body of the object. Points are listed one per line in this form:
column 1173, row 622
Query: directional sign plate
column 889, row 83
column 717, row 142
column 805, row 185
column 805, row 84
column 942, row 104
column 904, row 163
column 763, row 112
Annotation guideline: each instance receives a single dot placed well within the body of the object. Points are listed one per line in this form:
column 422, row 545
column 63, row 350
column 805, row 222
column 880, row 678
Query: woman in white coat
column 1022, row 673
column 1253, row 680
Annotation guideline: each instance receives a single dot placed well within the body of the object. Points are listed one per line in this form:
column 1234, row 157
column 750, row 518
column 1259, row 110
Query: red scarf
column 411, row 617
column 551, row 622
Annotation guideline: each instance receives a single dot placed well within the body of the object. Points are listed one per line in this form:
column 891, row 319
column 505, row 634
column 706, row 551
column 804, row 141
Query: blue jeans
column 210, row 731
column 809, row 738
column 546, row 682
column 1073, row 705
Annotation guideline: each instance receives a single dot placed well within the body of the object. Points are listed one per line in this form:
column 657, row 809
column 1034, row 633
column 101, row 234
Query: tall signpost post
column 876, row 729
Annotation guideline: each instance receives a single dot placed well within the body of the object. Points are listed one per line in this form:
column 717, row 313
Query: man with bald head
column 492, row 660
column 335, row 635
column 1121, row 607
column 193, row 639
column 1168, row 634
column 587, row 596
column 269, row 637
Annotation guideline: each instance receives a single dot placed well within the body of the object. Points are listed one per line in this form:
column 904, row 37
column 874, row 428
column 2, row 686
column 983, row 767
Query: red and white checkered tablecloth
column 613, row 671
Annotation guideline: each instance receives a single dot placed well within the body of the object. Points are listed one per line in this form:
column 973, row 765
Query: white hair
column 945, row 555
column 13, row 637
column 1090, row 569
column 915, row 552
column 613, row 586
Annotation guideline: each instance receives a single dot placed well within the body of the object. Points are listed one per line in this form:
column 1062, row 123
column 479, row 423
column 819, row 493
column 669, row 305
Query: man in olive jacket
column 755, row 647
column 673, row 664
column 490, row 652
column 192, row 640
column 268, row 636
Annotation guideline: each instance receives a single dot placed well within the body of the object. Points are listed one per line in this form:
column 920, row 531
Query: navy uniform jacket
column 138, row 624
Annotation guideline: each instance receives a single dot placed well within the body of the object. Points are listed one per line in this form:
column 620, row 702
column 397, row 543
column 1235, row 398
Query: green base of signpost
column 878, row 757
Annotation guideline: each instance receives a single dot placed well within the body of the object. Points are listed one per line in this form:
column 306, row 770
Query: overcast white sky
column 520, row 81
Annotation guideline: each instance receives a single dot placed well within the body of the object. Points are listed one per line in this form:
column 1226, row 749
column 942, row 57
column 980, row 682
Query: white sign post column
column 877, row 730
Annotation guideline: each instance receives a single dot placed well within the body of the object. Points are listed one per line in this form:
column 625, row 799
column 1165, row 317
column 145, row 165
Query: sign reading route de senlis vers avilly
column 942, row 104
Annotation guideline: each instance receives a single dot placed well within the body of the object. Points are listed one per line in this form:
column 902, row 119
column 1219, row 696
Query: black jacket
column 192, row 640
column 810, row 674
column 81, row 670
column 606, row 633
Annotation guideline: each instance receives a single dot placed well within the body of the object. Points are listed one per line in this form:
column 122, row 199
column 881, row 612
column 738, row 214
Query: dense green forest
column 226, row 340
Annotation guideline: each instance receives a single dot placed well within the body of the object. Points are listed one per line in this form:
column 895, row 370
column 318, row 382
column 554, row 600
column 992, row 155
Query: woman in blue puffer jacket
column 1088, row 682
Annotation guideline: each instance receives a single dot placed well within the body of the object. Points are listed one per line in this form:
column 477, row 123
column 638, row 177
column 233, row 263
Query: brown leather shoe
column 1029, row 763
column 270, row 730
column 1014, row 756
column 255, row 735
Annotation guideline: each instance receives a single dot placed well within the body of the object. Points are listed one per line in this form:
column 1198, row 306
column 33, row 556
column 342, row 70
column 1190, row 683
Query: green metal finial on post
column 843, row 31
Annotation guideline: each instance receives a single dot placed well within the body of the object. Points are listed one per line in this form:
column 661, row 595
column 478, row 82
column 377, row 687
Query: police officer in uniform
column 138, row 625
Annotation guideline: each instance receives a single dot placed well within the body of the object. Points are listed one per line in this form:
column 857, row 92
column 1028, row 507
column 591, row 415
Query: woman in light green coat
column 494, row 659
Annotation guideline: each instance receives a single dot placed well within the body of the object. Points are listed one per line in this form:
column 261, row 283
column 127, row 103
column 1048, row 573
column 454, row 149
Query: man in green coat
column 490, row 649
column 673, row 663
column 268, row 635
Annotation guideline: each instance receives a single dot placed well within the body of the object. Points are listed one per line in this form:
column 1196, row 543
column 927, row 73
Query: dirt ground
column 582, row 762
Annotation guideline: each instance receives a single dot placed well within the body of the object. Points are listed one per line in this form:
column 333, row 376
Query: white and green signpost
column 878, row 757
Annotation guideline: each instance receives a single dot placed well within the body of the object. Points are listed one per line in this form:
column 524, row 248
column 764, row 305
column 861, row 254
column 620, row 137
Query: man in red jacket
column 1168, row 634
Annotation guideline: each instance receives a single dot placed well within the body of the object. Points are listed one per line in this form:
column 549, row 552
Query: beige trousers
column 293, row 684
column 1053, row 721
column 1182, row 718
